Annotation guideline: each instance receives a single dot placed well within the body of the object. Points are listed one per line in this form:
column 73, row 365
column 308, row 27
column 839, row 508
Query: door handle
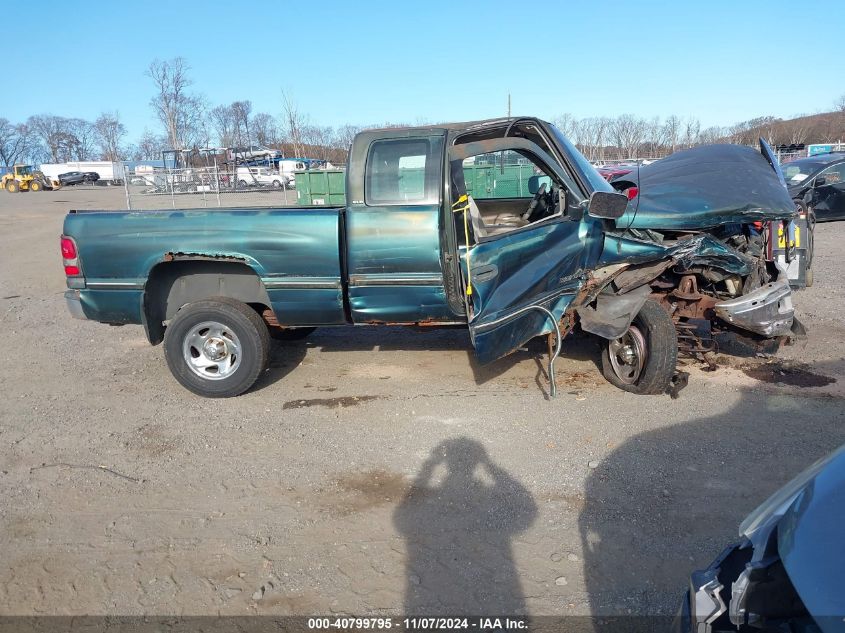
column 485, row 273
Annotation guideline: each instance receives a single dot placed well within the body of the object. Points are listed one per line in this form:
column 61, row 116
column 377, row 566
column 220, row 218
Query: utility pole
column 509, row 105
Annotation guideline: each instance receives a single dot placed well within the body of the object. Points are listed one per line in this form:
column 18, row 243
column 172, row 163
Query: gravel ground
column 373, row 471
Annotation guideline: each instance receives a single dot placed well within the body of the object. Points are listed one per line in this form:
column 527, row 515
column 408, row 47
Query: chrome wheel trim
column 627, row 355
column 211, row 350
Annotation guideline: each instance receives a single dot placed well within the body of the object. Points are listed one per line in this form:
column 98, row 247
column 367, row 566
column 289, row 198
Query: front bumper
column 709, row 591
column 74, row 304
column 767, row 311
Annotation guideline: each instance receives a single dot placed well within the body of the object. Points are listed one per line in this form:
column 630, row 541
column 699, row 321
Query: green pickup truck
column 411, row 247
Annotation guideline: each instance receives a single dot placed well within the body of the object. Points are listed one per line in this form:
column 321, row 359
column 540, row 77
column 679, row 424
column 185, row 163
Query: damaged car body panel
column 711, row 213
column 705, row 187
column 540, row 265
column 787, row 571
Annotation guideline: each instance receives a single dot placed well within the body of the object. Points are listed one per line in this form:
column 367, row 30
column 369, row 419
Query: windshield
column 25, row 170
column 798, row 171
column 594, row 178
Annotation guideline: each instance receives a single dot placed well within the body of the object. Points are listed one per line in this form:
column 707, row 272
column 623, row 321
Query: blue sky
column 369, row 62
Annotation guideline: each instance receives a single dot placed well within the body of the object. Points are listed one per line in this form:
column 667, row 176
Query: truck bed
column 295, row 251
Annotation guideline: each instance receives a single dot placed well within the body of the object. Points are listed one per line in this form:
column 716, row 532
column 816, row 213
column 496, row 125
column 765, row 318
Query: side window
column 505, row 174
column 403, row 171
column 833, row 175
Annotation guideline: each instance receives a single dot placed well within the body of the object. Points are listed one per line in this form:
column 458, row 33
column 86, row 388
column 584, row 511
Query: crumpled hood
column 810, row 544
column 704, row 187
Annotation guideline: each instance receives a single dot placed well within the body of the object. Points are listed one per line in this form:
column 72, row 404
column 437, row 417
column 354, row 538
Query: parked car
column 70, row 178
column 411, row 247
column 819, row 183
column 787, row 572
column 261, row 177
column 609, row 172
column 289, row 166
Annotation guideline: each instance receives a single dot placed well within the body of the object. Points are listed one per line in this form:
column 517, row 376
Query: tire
column 242, row 183
column 290, row 334
column 35, row 186
column 277, row 185
column 12, row 186
column 224, row 325
column 652, row 339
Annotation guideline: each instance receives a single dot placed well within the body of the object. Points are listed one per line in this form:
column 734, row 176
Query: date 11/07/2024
column 418, row 624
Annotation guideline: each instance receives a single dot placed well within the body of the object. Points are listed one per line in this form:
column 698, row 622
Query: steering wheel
column 534, row 202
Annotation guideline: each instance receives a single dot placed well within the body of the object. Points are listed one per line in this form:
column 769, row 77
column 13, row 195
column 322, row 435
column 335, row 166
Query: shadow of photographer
column 458, row 520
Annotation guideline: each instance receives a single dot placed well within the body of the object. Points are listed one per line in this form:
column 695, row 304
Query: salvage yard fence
column 200, row 187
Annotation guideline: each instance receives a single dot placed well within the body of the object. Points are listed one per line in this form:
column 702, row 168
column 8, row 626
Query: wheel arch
column 177, row 281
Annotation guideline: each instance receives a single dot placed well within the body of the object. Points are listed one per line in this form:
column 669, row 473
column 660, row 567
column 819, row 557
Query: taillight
column 632, row 192
column 70, row 257
column 68, row 248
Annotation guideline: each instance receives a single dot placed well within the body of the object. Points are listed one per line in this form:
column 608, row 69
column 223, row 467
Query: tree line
column 186, row 120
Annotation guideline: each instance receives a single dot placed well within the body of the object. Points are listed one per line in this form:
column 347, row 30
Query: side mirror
column 820, row 180
column 533, row 184
column 607, row 205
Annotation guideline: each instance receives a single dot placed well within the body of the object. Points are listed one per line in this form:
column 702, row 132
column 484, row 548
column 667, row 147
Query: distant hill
column 825, row 127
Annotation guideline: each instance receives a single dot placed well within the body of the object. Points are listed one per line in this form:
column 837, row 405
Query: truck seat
column 504, row 222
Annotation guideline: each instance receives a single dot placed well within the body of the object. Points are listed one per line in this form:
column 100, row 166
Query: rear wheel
column 643, row 359
column 217, row 347
column 277, row 184
column 12, row 186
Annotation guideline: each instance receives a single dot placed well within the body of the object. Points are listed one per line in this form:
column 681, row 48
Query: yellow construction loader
column 23, row 178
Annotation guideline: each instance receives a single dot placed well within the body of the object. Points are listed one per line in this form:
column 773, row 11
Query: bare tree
column 148, row 147
column 710, row 135
column 592, row 137
column 109, row 132
column 63, row 139
column 222, row 121
column 241, row 111
column 265, row 130
column 628, row 132
column 839, row 104
column 180, row 112
column 85, row 136
column 672, row 131
column 294, row 123
column 692, row 128
column 344, row 135
column 567, row 124
column 15, row 142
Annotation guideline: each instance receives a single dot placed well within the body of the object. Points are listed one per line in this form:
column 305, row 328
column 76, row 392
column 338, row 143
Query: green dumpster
column 321, row 187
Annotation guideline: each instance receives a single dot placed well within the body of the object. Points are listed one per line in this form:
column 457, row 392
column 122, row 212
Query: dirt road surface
column 375, row 471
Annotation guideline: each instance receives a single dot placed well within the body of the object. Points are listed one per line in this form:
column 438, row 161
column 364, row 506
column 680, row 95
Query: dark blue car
column 787, row 573
column 819, row 182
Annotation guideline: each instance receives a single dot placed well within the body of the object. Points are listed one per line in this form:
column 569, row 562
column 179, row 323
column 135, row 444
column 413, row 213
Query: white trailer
column 110, row 172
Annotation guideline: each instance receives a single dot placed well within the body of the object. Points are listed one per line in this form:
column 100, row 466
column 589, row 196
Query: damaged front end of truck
column 702, row 233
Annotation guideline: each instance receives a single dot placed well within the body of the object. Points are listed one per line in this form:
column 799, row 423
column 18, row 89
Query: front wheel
column 643, row 359
column 217, row 347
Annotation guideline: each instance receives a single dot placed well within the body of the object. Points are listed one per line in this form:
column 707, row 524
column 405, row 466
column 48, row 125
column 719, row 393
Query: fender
column 612, row 314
